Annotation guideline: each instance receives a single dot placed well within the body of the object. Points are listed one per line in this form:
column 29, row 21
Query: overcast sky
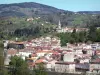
column 71, row 5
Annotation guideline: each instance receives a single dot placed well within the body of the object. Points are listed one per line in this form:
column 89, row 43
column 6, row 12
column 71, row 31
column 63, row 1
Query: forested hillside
column 47, row 13
column 13, row 19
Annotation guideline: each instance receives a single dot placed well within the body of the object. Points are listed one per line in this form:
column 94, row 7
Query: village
column 72, row 58
column 49, row 37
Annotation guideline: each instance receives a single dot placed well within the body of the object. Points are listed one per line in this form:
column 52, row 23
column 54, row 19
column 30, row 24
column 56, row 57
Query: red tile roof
column 96, row 61
column 39, row 61
column 12, row 52
column 33, row 55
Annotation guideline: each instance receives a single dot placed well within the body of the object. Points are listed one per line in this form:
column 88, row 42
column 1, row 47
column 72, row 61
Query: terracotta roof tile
column 12, row 52
column 39, row 61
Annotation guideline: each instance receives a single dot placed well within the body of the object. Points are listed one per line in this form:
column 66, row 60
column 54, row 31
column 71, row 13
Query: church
column 61, row 29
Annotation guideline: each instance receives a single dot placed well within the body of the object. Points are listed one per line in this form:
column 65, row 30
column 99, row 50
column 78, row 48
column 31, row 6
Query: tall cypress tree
column 1, row 58
column 92, row 33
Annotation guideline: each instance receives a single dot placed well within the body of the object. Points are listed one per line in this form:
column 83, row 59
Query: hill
column 32, row 9
column 89, row 12
column 13, row 18
column 47, row 13
column 27, row 9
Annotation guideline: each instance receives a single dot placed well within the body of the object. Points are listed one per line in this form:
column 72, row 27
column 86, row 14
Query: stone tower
column 59, row 25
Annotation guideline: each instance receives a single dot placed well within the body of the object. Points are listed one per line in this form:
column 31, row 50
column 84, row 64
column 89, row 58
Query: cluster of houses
column 31, row 19
column 80, row 57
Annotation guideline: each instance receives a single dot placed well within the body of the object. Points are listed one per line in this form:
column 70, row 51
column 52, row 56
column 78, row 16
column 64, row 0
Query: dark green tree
column 92, row 33
column 82, row 36
column 98, row 35
column 74, row 36
column 40, row 70
column 18, row 66
column 1, row 58
column 37, row 29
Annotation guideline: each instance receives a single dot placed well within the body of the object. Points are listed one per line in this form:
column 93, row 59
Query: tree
column 18, row 66
column 98, row 35
column 82, row 36
column 3, row 70
column 1, row 58
column 74, row 36
column 37, row 30
column 40, row 69
column 64, row 37
column 92, row 33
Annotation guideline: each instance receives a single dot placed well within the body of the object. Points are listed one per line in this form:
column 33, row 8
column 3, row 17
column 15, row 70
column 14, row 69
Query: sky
column 71, row 5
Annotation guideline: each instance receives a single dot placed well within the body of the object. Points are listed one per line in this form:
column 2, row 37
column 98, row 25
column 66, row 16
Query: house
column 78, row 51
column 50, row 65
column 15, row 45
column 43, row 53
column 84, row 60
column 68, row 57
column 82, row 67
column 95, row 65
column 10, row 52
column 64, row 67
column 23, row 55
column 88, row 51
column 29, row 19
column 5, row 43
